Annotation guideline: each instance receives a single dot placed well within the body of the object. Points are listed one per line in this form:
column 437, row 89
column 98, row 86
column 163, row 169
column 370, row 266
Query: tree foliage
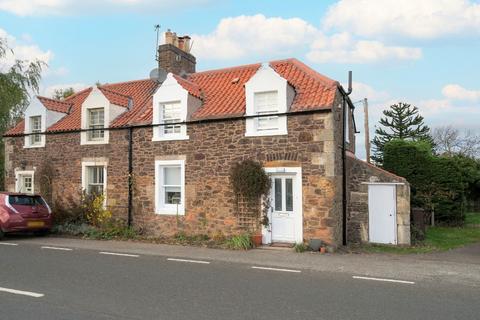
column 401, row 121
column 17, row 82
column 437, row 183
column 62, row 94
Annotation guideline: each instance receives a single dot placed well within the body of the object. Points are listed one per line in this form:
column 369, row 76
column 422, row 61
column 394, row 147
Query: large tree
column 401, row 121
column 17, row 82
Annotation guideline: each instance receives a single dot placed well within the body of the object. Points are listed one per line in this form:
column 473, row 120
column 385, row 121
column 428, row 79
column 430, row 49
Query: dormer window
column 96, row 120
column 36, row 127
column 267, row 94
column 172, row 106
column 266, row 103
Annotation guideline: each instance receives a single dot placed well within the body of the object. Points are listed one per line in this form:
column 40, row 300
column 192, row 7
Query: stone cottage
column 177, row 134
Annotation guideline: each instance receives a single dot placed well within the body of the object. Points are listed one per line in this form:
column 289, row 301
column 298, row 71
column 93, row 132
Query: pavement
column 62, row 278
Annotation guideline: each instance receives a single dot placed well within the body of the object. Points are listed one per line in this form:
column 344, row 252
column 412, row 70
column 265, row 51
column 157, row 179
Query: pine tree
column 402, row 121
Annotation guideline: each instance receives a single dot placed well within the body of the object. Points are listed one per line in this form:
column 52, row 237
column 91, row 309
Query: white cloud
column 22, row 51
column 257, row 35
column 240, row 36
column 71, row 7
column 343, row 48
column 50, row 90
column 412, row 18
column 457, row 92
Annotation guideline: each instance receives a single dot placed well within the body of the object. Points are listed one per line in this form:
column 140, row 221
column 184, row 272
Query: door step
column 277, row 246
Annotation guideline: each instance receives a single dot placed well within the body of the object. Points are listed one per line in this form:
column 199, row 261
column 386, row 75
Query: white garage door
column 382, row 220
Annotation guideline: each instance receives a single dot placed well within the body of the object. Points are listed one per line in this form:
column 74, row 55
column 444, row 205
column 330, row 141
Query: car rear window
column 25, row 200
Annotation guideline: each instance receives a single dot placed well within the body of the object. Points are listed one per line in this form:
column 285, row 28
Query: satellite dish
column 158, row 74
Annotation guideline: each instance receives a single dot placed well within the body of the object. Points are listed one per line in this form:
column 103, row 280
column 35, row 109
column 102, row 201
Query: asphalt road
column 85, row 284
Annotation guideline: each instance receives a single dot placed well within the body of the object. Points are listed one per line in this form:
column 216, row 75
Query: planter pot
column 257, row 240
column 315, row 244
column 323, row 250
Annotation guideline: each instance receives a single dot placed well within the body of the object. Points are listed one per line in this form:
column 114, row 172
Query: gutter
column 130, row 176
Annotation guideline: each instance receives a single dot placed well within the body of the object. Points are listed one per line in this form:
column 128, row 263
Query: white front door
column 282, row 205
column 24, row 182
column 382, row 220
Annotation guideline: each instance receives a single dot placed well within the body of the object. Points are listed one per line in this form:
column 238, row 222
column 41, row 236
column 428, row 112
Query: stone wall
column 358, row 174
column 312, row 144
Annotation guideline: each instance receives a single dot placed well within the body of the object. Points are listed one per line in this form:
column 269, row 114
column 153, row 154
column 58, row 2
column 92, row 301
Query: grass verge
column 472, row 218
column 437, row 239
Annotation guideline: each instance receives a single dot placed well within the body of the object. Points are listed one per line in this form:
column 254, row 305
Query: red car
column 21, row 212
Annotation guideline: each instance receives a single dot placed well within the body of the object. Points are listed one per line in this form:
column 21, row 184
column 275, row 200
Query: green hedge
column 436, row 182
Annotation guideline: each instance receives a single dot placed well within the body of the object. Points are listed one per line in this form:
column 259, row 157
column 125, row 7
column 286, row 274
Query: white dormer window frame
column 171, row 105
column 96, row 121
column 34, row 126
column 267, row 94
column 100, row 134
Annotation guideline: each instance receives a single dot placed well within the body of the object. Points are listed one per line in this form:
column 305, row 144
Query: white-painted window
column 266, row 103
column 24, row 181
column 96, row 118
column 95, row 179
column 171, row 113
column 170, row 187
column 35, row 127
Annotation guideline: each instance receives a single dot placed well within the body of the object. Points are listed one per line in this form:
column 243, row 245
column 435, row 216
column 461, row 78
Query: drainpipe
column 344, row 159
column 130, row 177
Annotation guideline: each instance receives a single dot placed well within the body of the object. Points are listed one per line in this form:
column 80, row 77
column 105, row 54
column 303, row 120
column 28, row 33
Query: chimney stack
column 174, row 55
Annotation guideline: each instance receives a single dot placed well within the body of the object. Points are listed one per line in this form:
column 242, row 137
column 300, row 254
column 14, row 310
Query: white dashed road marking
column 24, row 293
column 120, row 254
column 8, row 244
column 187, row 260
column 384, row 280
column 277, row 269
column 57, row 248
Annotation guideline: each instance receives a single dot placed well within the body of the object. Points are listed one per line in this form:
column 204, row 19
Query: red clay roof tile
column 55, row 105
column 222, row 92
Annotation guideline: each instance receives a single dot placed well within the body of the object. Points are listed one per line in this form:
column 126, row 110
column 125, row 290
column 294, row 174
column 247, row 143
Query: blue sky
column 424, row 52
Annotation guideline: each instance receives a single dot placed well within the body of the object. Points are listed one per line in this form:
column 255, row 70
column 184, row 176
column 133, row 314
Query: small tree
column 16, row 84
column 402, row 121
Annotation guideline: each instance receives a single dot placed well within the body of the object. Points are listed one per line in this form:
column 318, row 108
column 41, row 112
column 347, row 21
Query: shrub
column 240, row 242
column 436, row 182
column 95, row 212
column 300, row 247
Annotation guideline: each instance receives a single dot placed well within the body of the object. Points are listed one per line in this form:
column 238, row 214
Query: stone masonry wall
column 212, row 148
column 359, row 172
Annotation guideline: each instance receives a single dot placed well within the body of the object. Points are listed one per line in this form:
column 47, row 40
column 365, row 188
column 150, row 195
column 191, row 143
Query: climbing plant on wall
column 251, row 187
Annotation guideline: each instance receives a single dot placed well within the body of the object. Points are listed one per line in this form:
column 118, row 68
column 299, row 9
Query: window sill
column 266, row 133
column 170, row 138
column 169, row 212
column 34, row 146
column 94, row 142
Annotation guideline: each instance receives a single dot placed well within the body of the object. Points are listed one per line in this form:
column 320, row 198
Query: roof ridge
column 220, row 70
column 124, row 82
column 307, row 69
